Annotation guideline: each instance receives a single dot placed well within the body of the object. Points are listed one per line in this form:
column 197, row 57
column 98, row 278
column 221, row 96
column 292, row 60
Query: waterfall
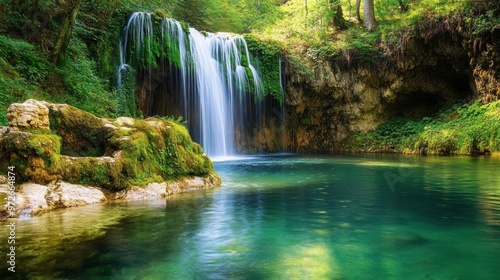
column 140, row 28
column 213, row 95
column 211, row 72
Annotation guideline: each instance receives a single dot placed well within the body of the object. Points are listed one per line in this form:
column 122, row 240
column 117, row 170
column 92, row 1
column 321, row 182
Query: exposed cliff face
column 485, row 64
column 436, row 64
column 420, row 75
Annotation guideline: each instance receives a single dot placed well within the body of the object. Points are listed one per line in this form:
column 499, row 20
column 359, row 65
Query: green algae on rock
column 56, row 142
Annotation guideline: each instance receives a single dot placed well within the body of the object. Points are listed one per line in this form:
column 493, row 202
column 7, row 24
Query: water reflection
column 287, row 218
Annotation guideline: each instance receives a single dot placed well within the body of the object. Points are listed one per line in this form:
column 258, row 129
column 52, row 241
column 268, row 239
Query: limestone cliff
column 426, row 69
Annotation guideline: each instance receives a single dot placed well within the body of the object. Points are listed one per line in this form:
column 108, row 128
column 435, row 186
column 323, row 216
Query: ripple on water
column 288, row 218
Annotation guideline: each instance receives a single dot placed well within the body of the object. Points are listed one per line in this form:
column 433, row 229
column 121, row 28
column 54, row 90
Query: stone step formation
column 56, row 145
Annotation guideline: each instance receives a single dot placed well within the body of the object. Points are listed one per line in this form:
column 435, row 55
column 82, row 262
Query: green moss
column 156, row 47
column 267, row 57
column 150, row 150
column 92, row 171
column 158, row 15
column 460, row 129
column 47, row 146
column 97, row 175
column 35, row 156
column 185, row 27
column 82, row 132
column 156, row 150
column 300, row 65
column 126, row 105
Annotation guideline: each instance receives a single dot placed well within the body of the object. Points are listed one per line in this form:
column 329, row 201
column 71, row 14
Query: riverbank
column 55, row 155
column 35, row 199
column 461, row 129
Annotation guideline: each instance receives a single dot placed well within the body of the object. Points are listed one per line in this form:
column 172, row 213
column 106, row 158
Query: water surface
column 285, row 217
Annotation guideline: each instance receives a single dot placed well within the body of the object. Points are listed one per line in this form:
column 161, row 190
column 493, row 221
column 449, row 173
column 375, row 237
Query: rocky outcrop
column 163, row 189
column 28, row 115
column 33, row 199
column 485, row 64
column 59, row 150
column 439, row 63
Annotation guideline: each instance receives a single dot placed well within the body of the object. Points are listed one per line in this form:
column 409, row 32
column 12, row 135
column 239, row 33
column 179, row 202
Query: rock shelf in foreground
column 66, row 157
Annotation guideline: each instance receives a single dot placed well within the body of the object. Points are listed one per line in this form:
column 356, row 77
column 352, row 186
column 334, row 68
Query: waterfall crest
column 212, row 73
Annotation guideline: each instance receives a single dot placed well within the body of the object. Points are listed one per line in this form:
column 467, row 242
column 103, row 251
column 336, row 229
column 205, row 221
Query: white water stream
column 215, row 74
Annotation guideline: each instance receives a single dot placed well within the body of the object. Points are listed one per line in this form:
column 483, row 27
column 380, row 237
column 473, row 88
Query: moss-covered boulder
column 81, row 148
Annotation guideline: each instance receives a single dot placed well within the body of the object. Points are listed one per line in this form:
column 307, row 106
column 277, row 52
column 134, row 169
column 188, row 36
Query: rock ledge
column 34, row 199
column 65, row 157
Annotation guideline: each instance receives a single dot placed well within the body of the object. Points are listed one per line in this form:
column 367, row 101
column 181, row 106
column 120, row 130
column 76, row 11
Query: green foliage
column 267, row 57
column 256, row 15
column 172, row 119
column 24, row 58
column 99, row 24
column 11, row 90
column 305, row 121
column 155, row 47
column 195, row 12
column 83, row 88
column 300, row 29
column 27, row 74
column 32, row 20
column 460, row 129
column 484, row 17
column 486, row 22
column 236, row 16
column 126, row 105
column 169, row 48
column 22, row 70
column 301, row 66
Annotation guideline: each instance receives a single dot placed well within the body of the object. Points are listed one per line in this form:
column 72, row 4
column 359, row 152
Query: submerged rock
column 59, row 150
column 403, row 239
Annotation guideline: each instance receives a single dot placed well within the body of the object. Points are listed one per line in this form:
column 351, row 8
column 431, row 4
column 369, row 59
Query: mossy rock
column 83, row 133
column 35, row 156
column 113, row 154
column 158, row 150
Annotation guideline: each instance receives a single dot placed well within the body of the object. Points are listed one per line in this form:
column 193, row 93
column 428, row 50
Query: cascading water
column 140, row 28
column 212, row 72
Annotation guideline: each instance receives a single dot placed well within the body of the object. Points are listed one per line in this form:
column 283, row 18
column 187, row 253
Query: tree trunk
column 66, row 30
column 338, row 16
column 358, row 15
column 370, row 21
column 305, row 2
